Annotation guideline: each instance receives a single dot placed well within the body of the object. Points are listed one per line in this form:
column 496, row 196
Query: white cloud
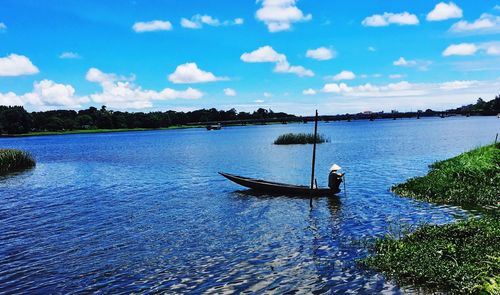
column 285, row 67
column 309, row 91
column 443, row 11
column 460, row 49
column 403, row 62
column 453, row 85
column 344, row 75
column 16, row 65
column 321, row 53
column 69, row 55
column 46, row 94
column 486, row 23
column 258, row 101
column 405, row 96
column 151, row 26
column 197, row 21
column 229, row 92
column 364, row 76
column 120, row 92
column 185, row 23
column 400, row 89
column 421, row 65
column 382, row 20
column 268, row 54
column 371, row 48
column 490, row 48
column 267, row 94
column 279, row 15
column 3, row 27
column 263, row 54
column 396, row 76
column 336, row 88
column 190, row 73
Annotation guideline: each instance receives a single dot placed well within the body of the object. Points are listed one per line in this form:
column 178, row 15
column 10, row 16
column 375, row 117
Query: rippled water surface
column 147, row 212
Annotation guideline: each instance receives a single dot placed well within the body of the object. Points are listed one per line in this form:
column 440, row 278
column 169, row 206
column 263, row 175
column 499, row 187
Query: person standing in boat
column 335, row 177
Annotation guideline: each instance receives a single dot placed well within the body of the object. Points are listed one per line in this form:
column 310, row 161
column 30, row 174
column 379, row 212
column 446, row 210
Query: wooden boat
column 214, row 127
column 279, row 188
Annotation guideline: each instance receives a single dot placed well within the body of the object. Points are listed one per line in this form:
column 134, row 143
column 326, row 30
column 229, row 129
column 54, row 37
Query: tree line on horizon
column 16, row 120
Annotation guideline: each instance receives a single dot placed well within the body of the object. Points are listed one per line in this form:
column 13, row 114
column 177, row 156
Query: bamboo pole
column 314, row 155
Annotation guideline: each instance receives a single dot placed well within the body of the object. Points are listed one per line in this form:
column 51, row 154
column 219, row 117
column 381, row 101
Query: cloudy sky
column 288, row 55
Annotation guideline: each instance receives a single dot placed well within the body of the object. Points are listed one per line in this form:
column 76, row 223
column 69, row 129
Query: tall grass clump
column 472, row 178
column 14, row 160
column 299, row 138
column 460, row 258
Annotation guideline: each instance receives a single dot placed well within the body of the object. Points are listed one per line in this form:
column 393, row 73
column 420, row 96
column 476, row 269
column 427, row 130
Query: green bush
column 462, row 257
column 472, row 178
column 299, row 138
column 14, row 160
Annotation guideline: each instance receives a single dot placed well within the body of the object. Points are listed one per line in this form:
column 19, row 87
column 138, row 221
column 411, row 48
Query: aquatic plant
column 299, row 138
column 14, row 160
column 472, row 178
column 462, row 257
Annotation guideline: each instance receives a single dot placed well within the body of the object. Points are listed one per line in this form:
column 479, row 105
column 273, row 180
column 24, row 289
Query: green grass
column 83, row 131
column 470, row 179
column 463, row 257
column 15, row 160
column 299, row 138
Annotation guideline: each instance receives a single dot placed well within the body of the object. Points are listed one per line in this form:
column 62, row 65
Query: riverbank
column 470, row 179
column 462, row 257
column 89, row 131
column 86, row 131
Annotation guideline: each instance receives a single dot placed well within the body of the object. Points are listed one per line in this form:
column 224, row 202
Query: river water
column 146, row 212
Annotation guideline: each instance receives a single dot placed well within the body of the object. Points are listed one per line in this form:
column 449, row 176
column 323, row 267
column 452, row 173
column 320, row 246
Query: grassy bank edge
column 469, row 179
column 90, row 131
column 461, row 257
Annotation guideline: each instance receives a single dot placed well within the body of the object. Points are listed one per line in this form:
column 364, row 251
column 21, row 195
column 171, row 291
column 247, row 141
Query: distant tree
column 15, row 120
column 54, row 124
column 84, row 121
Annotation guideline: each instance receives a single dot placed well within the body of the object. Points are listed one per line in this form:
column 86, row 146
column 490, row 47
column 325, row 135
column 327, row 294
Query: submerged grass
column 14, row 160
column 299, row 138
column 472, row 178
column 463, row 257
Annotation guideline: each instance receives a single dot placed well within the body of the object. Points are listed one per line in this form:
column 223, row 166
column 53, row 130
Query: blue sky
column 293, row 56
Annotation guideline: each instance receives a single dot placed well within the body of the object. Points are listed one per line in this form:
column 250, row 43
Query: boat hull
column 278, row 188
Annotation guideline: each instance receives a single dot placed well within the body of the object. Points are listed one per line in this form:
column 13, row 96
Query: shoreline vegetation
column 470, row 179
column 15, row 120
column 299, row 138
column 90, row 131
column 15, row 160
column 461, row 257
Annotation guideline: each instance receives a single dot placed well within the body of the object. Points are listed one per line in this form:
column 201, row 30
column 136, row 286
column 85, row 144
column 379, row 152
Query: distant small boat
column 214, row 127
column 279, row 188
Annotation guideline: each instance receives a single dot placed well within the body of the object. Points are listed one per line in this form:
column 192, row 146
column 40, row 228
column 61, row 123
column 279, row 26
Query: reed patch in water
column 15, row 160
column 299, row 138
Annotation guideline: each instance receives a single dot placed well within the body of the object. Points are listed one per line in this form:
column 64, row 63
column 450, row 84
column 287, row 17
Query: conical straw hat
column 335, row 167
